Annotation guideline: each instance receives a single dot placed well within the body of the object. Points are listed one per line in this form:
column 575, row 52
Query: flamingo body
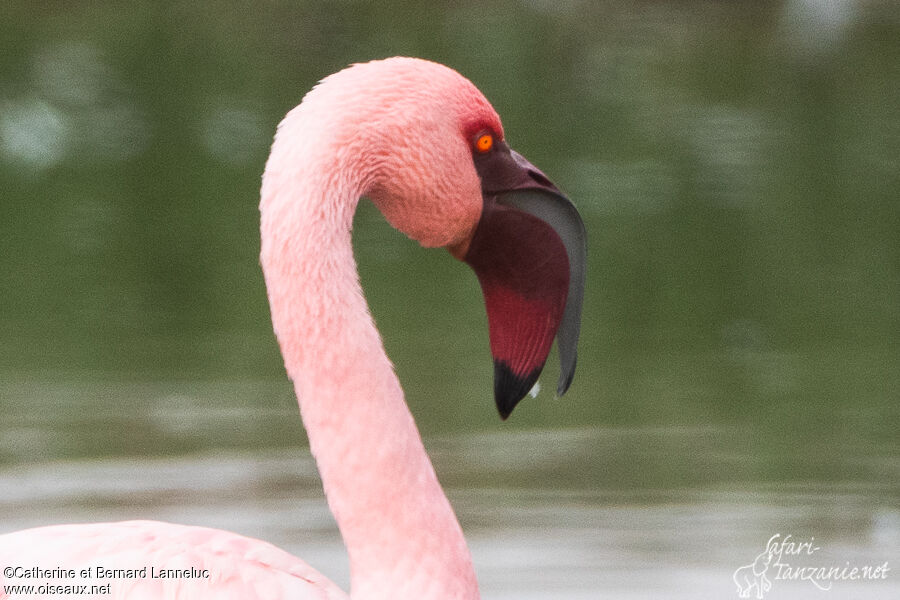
column 427, row 148
column 210, row 563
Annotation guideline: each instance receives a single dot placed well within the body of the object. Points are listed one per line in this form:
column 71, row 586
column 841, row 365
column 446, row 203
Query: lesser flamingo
column 427, row 148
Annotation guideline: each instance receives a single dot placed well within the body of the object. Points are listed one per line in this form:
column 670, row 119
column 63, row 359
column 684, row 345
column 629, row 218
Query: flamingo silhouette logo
column 753, row 576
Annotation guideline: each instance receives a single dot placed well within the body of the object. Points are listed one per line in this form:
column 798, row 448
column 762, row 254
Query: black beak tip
column 565, row 379
column 510, row 388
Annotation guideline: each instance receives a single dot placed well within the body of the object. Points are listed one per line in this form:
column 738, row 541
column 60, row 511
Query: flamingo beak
column 529, row 253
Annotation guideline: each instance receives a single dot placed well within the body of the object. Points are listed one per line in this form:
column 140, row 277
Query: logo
column 786, row 558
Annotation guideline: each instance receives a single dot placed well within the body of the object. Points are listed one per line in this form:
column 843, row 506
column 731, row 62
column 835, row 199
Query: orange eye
column 484, row 142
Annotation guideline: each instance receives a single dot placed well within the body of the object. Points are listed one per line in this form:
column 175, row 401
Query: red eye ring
column 484, row 143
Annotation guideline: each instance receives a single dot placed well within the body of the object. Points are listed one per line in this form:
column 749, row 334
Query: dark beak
column 529, row 253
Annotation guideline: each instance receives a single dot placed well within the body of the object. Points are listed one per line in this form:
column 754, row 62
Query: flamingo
column 427, row 148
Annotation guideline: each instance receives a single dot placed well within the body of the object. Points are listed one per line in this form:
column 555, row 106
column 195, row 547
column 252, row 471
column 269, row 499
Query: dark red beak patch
column 523, row 268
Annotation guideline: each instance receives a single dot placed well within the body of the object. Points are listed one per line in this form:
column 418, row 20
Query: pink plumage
column 399, row 131
column 150, row 560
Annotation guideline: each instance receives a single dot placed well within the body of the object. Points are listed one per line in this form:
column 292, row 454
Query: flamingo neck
column 402, row 536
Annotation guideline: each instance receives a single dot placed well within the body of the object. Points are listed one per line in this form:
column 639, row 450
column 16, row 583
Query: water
column 737, row 169
column 538, row 526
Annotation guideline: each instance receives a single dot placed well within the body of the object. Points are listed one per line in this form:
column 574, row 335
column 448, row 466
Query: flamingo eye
column 484, row 143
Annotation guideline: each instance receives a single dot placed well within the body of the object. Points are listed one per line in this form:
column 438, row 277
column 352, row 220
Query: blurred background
column 738, row 169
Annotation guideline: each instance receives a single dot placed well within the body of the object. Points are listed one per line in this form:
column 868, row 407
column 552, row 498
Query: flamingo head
column 439, row 168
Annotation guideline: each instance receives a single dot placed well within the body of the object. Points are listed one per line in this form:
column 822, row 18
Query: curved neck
column 402, row 536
